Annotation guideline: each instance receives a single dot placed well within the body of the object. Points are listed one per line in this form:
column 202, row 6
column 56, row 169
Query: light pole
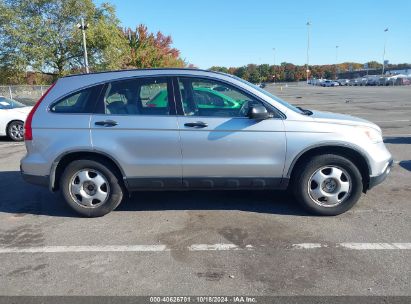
column 336, row 54
column 274, row 63
column 308, row 49
column 383, row 54
column 83, row 27
column 336, row 61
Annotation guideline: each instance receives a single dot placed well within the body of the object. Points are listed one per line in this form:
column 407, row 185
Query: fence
column 26, row 94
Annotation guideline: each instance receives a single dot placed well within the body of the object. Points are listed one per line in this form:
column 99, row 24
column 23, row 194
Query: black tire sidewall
column 300, row 184
column 116, row 189
column 9, row 130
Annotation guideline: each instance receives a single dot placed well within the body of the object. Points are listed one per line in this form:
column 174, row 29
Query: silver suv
column 97, row 137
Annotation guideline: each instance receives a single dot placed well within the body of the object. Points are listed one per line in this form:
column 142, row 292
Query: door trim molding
column 206, row 183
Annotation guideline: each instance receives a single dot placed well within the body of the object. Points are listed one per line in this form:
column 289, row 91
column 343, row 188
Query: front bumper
column 376, row 180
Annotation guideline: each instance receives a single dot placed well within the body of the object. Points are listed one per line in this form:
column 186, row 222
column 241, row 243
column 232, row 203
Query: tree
column 374, row 65
column 242, row 72
column 150, row 51
column 254, row 74
column 264, row 70
column 42, row 36
column 219, row 69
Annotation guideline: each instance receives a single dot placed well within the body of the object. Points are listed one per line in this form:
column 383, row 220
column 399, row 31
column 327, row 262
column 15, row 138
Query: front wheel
column 15, row 131
column 327, row 184
column 91, row 188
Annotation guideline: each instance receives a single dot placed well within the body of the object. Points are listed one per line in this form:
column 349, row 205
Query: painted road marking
column 214, row 247
column 376, row 246
column 203, row 247
column 356, row 246
column 398, row 120
column 120, row 248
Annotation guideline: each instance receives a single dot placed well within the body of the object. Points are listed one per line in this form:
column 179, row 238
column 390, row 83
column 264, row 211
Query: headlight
column 372, row 134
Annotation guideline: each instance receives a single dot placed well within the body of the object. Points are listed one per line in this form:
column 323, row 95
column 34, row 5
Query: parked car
column 343, row 82
column 402, row 81
column 362, row 81
column 390, row 81
column 329, row 83
column 372, row 81
column 208, row 98
column 355, row 82
column 220, row 89
column 94, row 138
column 12, row 117
column 381, row 81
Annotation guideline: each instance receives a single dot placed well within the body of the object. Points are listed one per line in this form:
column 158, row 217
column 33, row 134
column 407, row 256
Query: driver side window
column 201, row 97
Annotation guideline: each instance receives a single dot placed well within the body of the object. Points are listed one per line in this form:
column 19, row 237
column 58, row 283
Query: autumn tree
column 151, row 51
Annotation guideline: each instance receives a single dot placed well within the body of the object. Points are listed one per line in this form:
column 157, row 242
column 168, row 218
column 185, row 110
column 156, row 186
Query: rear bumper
column 36, row 179
column 376, row 180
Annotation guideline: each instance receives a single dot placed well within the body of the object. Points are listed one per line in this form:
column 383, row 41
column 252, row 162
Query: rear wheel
column 15, row 131
column 91, row 188
column 327, row 184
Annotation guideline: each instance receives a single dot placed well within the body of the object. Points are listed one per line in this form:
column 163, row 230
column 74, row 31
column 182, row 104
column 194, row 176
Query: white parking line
column 119, row 248
column 398, row 120
column 308, row 246
column 377, row 246
column 356, row 246
column 59, row 249
column 203, row 247
column 206, row 247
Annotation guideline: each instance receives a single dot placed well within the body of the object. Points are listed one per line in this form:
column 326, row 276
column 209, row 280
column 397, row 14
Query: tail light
column 28, row 132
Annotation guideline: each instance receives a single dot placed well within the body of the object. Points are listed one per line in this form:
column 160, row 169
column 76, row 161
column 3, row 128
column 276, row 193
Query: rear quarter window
column 79, row 102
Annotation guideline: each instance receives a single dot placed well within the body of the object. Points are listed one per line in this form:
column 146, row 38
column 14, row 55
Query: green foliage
column 374, row 65
column 151, row 51
column 219, row 69
column 42, row 36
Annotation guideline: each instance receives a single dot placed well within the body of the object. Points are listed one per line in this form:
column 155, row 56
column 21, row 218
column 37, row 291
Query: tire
column 340, row 181
column 91, row 187
column 15, row 130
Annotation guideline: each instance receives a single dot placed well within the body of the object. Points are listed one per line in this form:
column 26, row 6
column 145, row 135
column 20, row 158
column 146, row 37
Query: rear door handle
column 106, row 123
column 198, row 124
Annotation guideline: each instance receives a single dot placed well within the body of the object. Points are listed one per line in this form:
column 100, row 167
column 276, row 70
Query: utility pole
column 308, row 50
column 336, row 54
column 83, row 27
column 383, row 54
column 274, row 64
column 336, row 61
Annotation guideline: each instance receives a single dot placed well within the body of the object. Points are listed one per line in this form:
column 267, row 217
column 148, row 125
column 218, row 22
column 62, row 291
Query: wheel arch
column 60, row 163
column 351, row 153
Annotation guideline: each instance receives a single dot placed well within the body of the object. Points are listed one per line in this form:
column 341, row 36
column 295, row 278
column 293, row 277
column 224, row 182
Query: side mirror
column 258, row 112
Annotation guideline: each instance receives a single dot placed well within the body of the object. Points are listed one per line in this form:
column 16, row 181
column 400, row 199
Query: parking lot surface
column 218, row 243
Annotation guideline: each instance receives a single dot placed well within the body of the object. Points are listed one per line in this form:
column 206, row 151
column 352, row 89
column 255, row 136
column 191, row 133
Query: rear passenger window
column 147, row 96
column 79, row 102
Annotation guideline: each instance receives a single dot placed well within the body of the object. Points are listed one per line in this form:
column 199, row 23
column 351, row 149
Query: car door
column 221, row 146
column 137, row 126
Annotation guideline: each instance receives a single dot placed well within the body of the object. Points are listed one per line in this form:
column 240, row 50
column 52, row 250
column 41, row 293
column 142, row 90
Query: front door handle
column 198, row 124
column 106, row 123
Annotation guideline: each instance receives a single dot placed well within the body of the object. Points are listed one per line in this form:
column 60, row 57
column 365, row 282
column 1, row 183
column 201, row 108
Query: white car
column 329, row 83
column 12, row 117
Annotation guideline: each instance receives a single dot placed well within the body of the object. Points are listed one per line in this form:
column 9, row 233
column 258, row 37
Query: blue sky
column 238, row 32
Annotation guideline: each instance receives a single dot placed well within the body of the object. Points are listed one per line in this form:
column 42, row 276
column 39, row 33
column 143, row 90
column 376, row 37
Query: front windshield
column 6, row 103
column 279, row 100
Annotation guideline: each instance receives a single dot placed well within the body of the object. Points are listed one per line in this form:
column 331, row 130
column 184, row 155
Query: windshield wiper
column 305, row 111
